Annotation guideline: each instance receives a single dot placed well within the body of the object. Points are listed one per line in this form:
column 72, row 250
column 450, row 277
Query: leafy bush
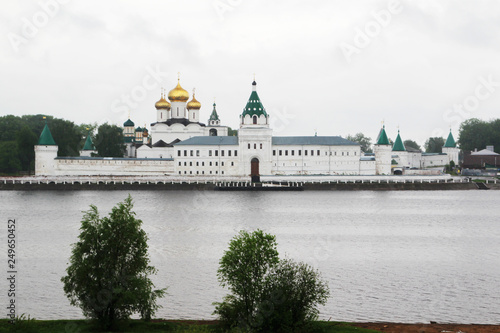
column 290, row 298
column 109, row 267
column 269, row 295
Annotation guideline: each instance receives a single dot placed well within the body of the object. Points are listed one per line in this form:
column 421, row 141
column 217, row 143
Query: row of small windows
column 215, row 153
column 202, row 172
column 299, row 153
column 203, row 163
column 254, row 146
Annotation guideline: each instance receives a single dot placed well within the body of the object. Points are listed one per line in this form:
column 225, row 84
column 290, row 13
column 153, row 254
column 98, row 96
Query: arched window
column 255, row 119
column 213, row 132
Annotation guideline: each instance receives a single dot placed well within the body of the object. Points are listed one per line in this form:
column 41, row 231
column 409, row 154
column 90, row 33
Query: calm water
column 388, row 256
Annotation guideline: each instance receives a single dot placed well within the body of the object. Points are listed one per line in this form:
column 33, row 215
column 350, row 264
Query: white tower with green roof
column 383, row 153
column 450, row 149
column 45, row 153
column 399, row 148
column 88, row 147
column 255, row 137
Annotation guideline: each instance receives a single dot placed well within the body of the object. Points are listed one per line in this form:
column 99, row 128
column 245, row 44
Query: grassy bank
column 135, row 326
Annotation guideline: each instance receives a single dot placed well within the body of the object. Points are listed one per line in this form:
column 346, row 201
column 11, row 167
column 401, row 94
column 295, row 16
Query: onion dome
column 193, row 104
column 162, row 103
column 128, row 123
column 145, row 132
column 178, row 94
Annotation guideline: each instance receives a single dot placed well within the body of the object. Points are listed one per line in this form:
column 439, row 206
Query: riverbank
column 269, row 183
column 159, row 325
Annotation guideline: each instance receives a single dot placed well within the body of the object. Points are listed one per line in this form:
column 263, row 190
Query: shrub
column 109, row 267
column 269, row 295
column 243, row 269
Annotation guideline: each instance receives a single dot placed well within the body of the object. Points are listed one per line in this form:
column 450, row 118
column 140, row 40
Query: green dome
column 450, row 141
column 254, row 106
column 398, row 144
column 382, row 137
column 128, row 123
column 214, row 115
column 46, row 138
column 88, row 144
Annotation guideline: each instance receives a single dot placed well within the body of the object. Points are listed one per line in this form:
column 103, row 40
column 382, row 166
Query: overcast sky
column 335, row 67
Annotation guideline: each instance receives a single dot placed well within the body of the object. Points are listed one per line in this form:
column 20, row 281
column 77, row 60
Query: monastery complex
column 179, row 144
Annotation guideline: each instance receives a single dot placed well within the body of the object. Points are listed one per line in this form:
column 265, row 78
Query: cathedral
column 178, row 144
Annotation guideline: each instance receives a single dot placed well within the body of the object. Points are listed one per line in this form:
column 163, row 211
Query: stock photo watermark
column 31, row 26
column 364, row 36
column 11, row 270
column 151, row 81
column 223, row 6
column 459, row 112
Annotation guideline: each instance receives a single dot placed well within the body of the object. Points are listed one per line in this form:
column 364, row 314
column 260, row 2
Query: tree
column 109, row 267
column 232, row 132
column 9, row 158
column 269, row 295
column 364, row 142
column 434, row 145
column 109, row 141
column 412, row 144
column 475, row 133
column 66, row 136
column 291, row 295
column 26, row 141
column 242, row 269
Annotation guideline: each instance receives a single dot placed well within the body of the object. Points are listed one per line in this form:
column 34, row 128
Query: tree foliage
column 109, row 141
column 9, row 158
column 291, row 294
column 243, row 268
column 412, row 144
column 109, row 268
column 268, row 295
column 364, row 142
column 475, row 133
column 434, row 145
column 26, row 141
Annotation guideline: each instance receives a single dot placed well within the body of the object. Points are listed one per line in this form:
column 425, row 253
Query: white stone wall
column 383, row 159
column 145, row 151
column 109, row 166
column 45, row 160
column 366, row 168
column 452, row 154
column 315, row 160
column 206, row 160
column 429, row 161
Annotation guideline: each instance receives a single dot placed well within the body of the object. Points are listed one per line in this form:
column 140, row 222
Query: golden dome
column 178, row 94
column 162, row 103
column 193, row 104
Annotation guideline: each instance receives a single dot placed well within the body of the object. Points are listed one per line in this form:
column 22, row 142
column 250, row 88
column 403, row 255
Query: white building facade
column 179, row 145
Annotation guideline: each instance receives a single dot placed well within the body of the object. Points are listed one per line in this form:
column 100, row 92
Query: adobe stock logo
column 39, row 20
column 222, row 6
column 363, row 37
column 151, row 81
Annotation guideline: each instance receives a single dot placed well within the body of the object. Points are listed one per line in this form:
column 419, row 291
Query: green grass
column 135, row 326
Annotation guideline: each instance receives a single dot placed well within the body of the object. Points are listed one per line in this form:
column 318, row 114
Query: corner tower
column 45, row 153
column 383, row 152
column 450, row 149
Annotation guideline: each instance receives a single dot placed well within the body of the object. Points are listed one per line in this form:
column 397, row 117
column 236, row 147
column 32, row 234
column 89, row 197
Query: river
column 401, row 256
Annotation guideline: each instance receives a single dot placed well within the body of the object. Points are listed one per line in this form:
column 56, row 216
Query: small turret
column 45, row 153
